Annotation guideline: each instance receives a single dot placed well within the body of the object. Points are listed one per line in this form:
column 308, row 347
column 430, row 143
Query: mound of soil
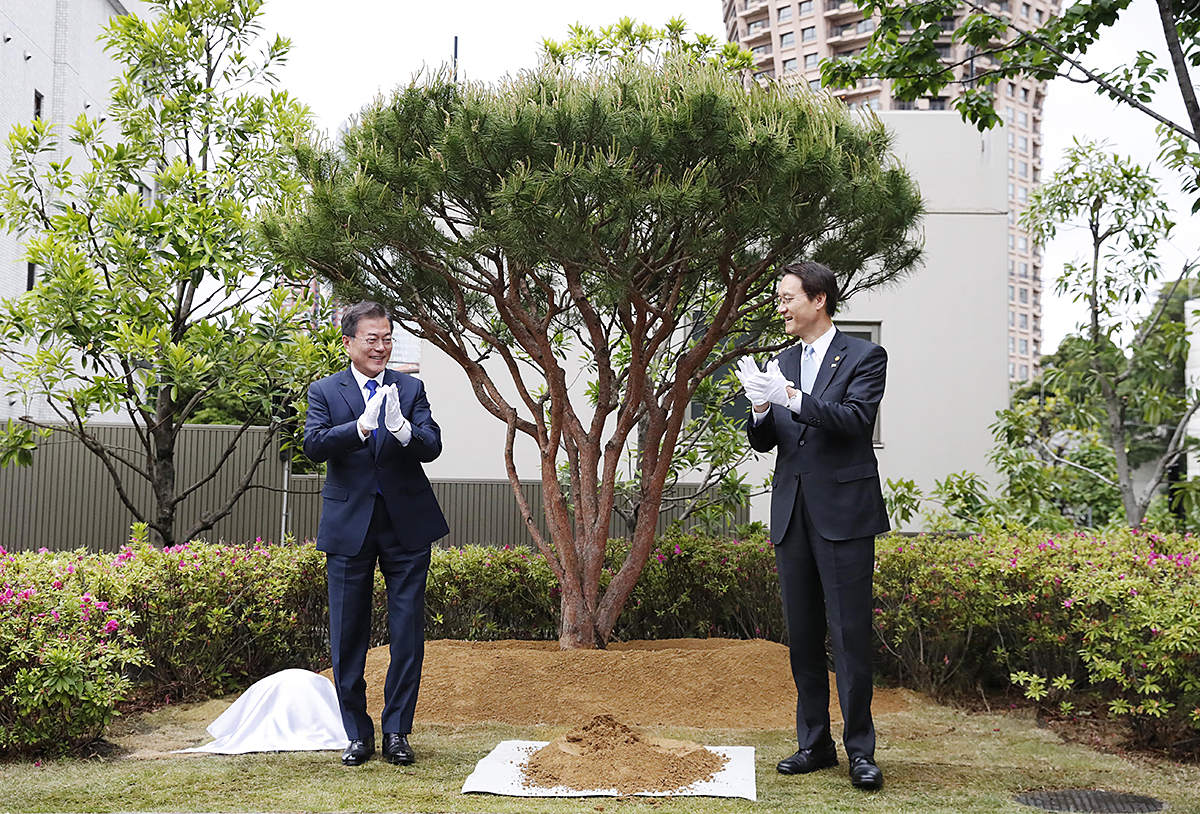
column 702, row 683
column 607, row 754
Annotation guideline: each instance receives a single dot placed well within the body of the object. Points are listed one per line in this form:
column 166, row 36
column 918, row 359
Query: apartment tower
column 790, row 38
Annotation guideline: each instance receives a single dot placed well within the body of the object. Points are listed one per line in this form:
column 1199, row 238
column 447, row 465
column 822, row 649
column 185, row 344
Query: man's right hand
column 369, row 420
column 753, row 380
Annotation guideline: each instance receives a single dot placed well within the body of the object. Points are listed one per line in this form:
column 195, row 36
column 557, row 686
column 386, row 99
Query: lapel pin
column 837, row 358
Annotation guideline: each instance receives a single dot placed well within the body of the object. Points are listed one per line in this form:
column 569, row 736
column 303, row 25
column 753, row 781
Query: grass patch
column 935, row 759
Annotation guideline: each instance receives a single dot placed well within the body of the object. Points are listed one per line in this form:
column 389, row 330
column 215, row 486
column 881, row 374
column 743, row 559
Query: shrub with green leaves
column 64, row 653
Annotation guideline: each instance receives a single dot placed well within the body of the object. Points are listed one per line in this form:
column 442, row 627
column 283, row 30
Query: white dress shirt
column 403, row 433
column 820, row 347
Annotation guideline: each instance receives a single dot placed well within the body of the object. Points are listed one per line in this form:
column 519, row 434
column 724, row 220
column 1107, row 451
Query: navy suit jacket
column 826, row 451
column 356, row 469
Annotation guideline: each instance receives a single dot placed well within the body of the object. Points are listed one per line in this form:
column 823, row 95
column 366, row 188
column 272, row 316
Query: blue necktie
column 372, row 385
column 808, row 369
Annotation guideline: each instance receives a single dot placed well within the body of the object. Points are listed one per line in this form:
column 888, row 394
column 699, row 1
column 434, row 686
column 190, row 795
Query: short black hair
column 360, row 311
column 816, row 279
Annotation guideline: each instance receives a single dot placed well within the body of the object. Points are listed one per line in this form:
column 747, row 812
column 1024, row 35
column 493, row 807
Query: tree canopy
column 634, row 213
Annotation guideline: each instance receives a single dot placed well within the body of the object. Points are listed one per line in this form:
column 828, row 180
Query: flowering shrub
column 215, row 617
column 485, row 593
column 1115, row 618
column 63, row 654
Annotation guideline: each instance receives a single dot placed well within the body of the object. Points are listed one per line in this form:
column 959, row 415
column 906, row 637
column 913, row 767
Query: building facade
column 52, row 67
column 790, row 39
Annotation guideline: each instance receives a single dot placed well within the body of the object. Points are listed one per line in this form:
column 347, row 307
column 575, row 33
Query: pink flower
column 111, row 626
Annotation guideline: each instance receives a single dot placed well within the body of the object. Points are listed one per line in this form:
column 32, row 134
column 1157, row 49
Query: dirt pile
column 607, row 754
column 702, row 683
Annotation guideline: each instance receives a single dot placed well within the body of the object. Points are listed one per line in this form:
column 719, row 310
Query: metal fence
column 67, row 500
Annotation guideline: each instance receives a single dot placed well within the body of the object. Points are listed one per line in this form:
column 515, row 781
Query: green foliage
column 627, row 40
column 64, row 654
column 485, row 593
column 1068, row 617
column 213, row 618
column 155, row 295
column 700, row 586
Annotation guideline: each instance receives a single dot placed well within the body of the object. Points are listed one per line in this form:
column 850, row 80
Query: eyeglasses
column 786, row 299
column 372, row 340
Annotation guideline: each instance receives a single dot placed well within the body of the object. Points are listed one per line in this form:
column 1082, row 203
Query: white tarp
column 290, row 711
column 502, row 772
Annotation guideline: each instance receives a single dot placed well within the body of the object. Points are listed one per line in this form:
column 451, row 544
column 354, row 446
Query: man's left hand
column 777, row 385
column 393, row 419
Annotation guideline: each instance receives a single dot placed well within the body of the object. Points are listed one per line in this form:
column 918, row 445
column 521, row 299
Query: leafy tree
column 1130, row 366
column 630, row 41
column 633, row 213
column 156, row 293
column 903, row 50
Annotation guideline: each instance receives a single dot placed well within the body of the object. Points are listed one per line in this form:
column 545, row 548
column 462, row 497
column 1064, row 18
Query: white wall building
column 52, row 66
column 944, row 328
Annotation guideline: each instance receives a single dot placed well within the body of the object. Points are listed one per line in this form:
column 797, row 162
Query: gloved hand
column 754, row 382
column 393, row 419
column 777, row 385
column 369, row 420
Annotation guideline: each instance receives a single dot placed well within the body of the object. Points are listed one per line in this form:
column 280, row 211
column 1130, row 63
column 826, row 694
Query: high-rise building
column 790, row 38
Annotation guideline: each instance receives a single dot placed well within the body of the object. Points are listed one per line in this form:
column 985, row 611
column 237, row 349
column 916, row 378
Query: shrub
column 63, row 654
column 484, row 593
column 216, row 617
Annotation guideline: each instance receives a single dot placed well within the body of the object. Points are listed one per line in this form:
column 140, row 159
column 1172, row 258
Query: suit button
column 802, row 442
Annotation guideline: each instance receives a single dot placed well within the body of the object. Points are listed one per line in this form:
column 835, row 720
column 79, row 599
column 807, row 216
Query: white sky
column 346, row 52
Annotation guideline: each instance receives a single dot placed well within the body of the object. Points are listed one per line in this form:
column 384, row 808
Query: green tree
column 1129, row 365
column 155, row 291
column 903, row 50
column 635, row 214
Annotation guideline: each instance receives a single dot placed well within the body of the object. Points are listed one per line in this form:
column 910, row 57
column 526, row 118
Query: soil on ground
column 606, row 754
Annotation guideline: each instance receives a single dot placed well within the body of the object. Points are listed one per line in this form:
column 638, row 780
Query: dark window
column 37, row 105
column 30, row 276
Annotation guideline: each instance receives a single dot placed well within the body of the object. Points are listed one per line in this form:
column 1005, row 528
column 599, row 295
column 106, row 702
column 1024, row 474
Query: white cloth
column 290, row 711
column 502, row 771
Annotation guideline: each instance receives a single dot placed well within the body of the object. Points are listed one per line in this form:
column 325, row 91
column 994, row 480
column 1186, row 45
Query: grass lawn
column 935, row 759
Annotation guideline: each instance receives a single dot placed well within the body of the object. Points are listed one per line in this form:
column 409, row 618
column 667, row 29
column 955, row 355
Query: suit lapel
column 351, row 392
column 829, row 365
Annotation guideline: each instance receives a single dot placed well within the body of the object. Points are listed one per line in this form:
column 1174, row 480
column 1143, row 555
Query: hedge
column 1069, row 618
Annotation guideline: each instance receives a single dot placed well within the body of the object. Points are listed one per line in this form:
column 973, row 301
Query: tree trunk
column 577, row 629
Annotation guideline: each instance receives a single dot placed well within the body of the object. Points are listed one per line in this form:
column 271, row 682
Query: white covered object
column 502, row 772
column 290, row 711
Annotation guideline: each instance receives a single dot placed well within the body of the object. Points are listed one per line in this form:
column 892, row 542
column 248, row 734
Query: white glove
column 777, row 385
column 393, row 419
column 369, row 420
column 753, row 381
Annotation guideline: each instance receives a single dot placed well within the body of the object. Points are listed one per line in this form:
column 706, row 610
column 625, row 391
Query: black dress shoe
column 864, row 774
column 359, row 751
column 809, row 760
column 396, row 749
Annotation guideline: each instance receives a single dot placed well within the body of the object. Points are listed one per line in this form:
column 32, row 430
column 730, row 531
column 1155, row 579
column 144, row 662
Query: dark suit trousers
column 828, row 580
column 351, row 585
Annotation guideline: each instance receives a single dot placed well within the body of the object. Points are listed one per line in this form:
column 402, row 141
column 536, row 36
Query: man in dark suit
column 826, row 508
column 373, row 428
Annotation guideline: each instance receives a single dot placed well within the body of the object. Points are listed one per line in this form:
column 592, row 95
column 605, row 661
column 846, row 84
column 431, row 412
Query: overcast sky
column 346, row 52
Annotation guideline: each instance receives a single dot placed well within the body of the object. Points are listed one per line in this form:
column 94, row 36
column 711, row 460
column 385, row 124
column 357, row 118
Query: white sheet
column 501, row 772
column 290, row 711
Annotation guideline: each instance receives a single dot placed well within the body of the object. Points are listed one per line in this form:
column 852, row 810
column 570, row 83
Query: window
column 1023, row 321
column 1012, row 164
column 755, row 26
column 1012, row 369
column 1023, row 119
column 1024, row 346
column 787, row 40
column 789, row 65
column 806, row 7
column 814, row 84
column 943, row 50
column 937, row 102
column 30, row 275
column 1024, row 9
column 1012, row 217
column 761, row 51
column 1011, row 191
column 811, row 61
column 1008, row 114
column 869, row 331
column 1024, row 94
column 1022, row 143
column 1011, row 242
column 1024, row 295
column 900, row 104
column 37, row 104
column 1012, row 267
column 767, row 74
column 1011, row 293
column 1038, row 16
column 1022, row 244
column 1024, row 267
column 1010, row 141
column 1010, row 90
column 1022, row 194
column 808, row 34
column 1012, row 347
column 1023, row 169
column 784, row 14
column 865, row 26
column 1012, row 317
